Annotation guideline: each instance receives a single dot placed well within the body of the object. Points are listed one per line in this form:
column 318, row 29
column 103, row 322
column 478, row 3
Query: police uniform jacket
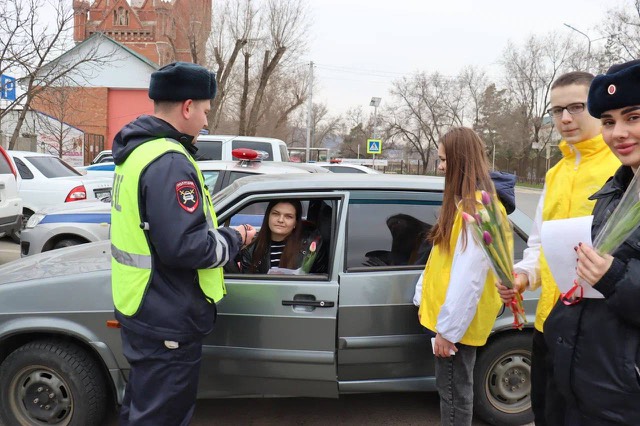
column 594, row 345
column 174, row 306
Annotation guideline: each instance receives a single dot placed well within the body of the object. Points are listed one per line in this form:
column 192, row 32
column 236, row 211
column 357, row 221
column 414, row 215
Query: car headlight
column 35, row 219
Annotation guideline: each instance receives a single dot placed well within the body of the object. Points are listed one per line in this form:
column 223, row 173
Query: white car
column 347, row 168
column 45, row 180
column 10, row 202
column 221, row 147
column 78, row 223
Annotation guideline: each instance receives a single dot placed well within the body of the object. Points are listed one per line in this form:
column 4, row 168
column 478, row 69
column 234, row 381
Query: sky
column 359, row 47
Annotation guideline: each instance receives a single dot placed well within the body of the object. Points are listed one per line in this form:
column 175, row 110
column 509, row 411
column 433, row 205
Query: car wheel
column 502, row 380
column 67, row 243
column 50, row 382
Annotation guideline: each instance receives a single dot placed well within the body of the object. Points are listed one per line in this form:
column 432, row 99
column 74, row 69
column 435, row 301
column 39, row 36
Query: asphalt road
column 377, row 409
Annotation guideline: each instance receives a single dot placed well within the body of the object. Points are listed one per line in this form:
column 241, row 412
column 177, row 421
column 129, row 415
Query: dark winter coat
column 594, row 345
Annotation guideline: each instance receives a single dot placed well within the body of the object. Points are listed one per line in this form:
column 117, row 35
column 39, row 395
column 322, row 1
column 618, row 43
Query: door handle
column 314, row 303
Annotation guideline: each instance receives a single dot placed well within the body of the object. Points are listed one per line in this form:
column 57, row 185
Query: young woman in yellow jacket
column 459, row 299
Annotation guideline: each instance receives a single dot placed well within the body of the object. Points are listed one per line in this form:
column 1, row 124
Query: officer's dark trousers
column 163, row 382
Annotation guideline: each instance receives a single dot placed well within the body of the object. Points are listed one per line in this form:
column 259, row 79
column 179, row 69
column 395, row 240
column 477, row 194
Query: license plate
column 103, row 194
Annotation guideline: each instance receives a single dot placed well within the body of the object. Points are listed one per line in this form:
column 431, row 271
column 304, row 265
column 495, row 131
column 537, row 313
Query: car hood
column 85, row 206
column 78, row 259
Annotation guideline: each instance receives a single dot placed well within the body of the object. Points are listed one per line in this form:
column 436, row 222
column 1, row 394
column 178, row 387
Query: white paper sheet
column 558, row 238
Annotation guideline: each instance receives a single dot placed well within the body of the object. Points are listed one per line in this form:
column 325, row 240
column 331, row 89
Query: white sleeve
column 468, row 275
column 417, row 295
column 530, row 263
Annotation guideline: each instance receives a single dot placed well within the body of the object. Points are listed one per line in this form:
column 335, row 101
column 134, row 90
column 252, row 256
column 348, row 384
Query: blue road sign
column 374, row 146
column 7, row 88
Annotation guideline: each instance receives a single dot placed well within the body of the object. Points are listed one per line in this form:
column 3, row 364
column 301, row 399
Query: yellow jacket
column 478, row 282
column 582, row 171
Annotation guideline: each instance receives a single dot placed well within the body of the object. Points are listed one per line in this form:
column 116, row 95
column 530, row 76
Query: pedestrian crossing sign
column 374, row 146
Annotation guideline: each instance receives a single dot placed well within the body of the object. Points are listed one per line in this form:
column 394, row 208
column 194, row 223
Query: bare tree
column 274, row 33
column 529, row 72
column 33, row 50
column 190, row 24
column 425, row 107
column 622, row 30
column 60, row 102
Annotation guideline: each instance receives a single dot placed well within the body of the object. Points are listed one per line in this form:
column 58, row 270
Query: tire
column 502, row 380
column 68, row 242
column 50, row 382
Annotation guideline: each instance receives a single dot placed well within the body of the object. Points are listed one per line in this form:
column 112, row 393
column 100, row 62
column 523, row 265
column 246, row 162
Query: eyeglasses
column 573, row 109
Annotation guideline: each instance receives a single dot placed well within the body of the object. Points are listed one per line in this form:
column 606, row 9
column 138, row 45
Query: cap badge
column 611, row 89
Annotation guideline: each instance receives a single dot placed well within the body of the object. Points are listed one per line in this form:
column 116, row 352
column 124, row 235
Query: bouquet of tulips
column 492, row 232
column 622, row 222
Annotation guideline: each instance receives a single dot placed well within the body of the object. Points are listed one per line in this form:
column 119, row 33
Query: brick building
column 138, row 36
column 161, row 30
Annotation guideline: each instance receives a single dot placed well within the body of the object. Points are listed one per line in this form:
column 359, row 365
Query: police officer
column 167, row 250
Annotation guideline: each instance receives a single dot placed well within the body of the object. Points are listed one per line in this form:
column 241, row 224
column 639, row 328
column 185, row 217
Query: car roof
column 331, row 182
column 226, row 138
column 30, row 154
column 258, row 167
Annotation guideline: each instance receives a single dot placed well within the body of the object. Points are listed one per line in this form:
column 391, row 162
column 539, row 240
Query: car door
column 276, row 335
column 381, row 345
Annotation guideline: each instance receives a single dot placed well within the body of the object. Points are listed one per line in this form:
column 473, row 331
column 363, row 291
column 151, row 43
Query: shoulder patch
column 187, row 194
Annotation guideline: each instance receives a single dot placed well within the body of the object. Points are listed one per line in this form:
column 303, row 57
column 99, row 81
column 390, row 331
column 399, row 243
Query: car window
column 284, row 153
column 390, row 230
column 53, row 167
column 209, row 150
column 23, row 170
column 316, row 225
column 335, row 169
column 5, row 168
column 210, row 179
column 256, row 146
column 234, row 176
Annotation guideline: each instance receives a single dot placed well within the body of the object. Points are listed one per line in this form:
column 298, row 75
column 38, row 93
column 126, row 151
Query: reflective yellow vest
column 584, row 168
column 434, row 293
column 131, row 260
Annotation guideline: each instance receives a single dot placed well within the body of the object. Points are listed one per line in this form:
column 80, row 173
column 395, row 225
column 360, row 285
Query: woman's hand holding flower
column 520, row 283
column 592, row 266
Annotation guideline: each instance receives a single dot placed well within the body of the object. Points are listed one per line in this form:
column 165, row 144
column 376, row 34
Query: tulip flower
column 486, row 237
column 486, row 198
column 468, row 218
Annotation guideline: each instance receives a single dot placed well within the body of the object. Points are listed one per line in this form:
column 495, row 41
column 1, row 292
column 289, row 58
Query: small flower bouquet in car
column 307, row 261
column 492, row 232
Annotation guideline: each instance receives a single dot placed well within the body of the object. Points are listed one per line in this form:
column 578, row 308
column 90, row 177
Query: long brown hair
column 467, row 171
column 292, row 243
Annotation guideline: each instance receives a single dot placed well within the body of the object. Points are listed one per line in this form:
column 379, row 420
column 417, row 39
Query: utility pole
column 309, row 111
column 375, row 103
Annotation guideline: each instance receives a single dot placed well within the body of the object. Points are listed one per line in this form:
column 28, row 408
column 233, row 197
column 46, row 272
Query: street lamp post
column 375, row 103
column 588, row 39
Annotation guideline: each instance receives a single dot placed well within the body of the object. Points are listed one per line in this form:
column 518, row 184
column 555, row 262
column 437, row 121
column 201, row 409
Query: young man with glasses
column 585, row 166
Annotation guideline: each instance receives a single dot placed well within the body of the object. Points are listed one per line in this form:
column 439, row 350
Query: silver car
column 82, row 222
column 352, row 330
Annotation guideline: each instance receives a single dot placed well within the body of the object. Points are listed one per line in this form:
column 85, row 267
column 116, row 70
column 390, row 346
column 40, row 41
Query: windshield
column 53, row 167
